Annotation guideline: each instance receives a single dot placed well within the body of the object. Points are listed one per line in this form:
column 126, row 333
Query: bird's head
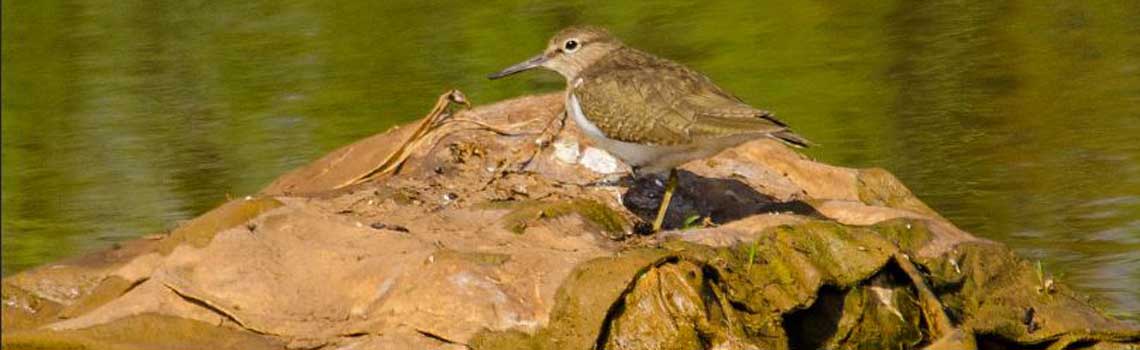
column 569, row 52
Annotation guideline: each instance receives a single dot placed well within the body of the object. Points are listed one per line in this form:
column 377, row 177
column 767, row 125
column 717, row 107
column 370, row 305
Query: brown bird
column 652, row 113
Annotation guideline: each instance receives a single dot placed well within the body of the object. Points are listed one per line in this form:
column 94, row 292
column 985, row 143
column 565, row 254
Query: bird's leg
column 670, row 185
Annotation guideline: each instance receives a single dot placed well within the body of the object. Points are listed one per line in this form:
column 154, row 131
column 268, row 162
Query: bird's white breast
column 587, row 127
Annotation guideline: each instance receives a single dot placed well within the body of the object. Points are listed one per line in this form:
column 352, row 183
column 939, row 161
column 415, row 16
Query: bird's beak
column 525, row 65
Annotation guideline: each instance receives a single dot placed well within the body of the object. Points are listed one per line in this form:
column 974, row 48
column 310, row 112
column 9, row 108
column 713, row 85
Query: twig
column 932, row 311
column 430, row 122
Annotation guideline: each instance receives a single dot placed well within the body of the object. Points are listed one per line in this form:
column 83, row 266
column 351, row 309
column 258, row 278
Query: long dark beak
column 525, row 65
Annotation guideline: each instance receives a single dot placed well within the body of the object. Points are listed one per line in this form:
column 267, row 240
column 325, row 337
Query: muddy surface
column 500, row 227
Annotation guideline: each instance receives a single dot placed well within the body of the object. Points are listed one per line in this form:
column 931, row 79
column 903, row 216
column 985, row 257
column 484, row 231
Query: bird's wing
column 623, row 110
column 717, row 114
column 655, row 101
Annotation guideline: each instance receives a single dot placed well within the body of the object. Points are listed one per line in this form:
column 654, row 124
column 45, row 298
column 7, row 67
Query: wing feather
column 635, row 97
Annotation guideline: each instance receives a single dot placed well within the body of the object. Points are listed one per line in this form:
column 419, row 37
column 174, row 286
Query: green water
column 1018, row 120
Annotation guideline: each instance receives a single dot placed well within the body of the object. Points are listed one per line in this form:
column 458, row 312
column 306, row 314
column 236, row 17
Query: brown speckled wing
column 634, row 97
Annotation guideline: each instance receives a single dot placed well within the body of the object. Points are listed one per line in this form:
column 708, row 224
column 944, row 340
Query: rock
column 492, row 228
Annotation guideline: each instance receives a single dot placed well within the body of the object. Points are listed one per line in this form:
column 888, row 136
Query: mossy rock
column 198, row 232
column 814, row 285
column 524, row 214
column 146, row 331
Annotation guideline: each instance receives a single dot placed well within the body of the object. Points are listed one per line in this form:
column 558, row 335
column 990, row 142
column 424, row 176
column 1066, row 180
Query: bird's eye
column 570, row 45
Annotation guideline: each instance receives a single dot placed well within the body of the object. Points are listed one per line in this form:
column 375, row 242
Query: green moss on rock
column 200, row 231
column 813, row 285
column 145, row 331
column 110, row 288
column 26, row 310
column 879, row 187
column 909, row 235
column 525, row 214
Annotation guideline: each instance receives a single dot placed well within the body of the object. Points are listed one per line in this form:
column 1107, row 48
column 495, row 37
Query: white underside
column 651, row 158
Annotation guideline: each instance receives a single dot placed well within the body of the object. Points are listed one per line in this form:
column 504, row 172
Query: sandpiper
column 652, row 113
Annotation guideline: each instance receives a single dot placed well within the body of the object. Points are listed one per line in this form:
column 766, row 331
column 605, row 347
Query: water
column 1017, row 120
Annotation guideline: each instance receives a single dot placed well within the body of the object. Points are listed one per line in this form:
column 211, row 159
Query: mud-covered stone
column 481, row 228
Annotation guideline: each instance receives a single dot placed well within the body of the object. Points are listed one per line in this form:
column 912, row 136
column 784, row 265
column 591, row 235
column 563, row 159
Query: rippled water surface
column 1018, row 120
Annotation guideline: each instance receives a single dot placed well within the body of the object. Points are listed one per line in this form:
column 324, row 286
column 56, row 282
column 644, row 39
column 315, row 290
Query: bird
column 652, row 113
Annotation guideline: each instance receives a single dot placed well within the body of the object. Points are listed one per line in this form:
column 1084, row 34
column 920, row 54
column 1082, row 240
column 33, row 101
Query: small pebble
column 448, row 197
column 599, row 161
column 1029, row 321
column 566, row 151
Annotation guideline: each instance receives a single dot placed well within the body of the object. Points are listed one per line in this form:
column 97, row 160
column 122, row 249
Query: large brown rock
column 492, row 231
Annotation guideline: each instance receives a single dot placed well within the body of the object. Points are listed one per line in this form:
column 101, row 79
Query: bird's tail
column 792, row 139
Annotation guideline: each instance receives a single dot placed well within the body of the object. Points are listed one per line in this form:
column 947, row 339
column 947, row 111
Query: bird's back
column 633, row 96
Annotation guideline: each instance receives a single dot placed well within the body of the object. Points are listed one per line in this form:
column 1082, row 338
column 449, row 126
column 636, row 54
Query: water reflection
column 1017, row 120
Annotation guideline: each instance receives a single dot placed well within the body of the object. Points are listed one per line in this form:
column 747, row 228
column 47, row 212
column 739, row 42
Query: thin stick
column 429, row 123
column 935, row 316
